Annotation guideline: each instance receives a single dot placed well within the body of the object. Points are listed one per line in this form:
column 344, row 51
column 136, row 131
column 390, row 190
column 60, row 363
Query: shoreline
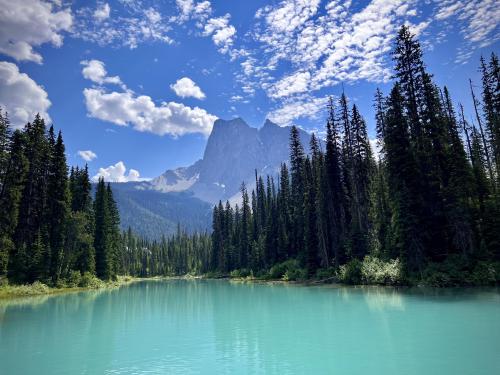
column 37, row 289
column 11, row 292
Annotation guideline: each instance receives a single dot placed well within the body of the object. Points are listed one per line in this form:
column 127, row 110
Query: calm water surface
column 219, row 327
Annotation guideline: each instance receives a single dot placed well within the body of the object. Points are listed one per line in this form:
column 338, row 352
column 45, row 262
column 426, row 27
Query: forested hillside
column 425, row 210
column 428, row 209
column 51, row 229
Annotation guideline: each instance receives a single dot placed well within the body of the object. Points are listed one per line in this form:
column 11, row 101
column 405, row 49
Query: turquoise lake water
column 219, row 327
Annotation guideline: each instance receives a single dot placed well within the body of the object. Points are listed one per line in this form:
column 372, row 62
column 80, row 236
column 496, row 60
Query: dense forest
column 51, row 229
column 426, row 209
column 58, row 228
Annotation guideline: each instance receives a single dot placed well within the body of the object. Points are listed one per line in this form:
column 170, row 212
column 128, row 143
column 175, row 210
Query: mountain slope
column 234, row 151
column 152, row 213
column 185, row 195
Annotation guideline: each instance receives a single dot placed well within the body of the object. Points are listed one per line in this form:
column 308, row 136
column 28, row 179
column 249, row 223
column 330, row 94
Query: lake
column 222, row 327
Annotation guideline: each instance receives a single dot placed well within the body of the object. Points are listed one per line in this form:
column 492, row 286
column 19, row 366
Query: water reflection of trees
column 207, row 326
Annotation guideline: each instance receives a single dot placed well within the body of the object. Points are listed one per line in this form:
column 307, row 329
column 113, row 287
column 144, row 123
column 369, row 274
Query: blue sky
column 136, row 85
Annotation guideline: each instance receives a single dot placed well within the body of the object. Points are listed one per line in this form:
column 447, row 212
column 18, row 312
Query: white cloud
column 102, row 12
column 323, row 47
column 291, row 14
column 141, row 112
column 125, row 108
column 117, row 173
column 478, row 19
column 295, row 83
column 301, row 107
column 95, row 71
column 30, row 23
column 221, row 31
column 190, row 9
column 324, row 43
column 22, row 97
column 137, row 24
column 185, row 87
column 87, row 155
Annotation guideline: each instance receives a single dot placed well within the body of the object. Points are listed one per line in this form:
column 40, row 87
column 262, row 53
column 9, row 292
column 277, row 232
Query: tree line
column 430, row 198
column 50, row 227
column 427, row 206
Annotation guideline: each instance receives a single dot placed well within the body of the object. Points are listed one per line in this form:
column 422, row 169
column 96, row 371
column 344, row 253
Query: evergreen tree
column 310, row 220
column 4, row 144
column 114, row 233
column 10, row 196
column 102, row 240
column 491, row 106
column 403, row 185
column 245, row 230
column 335, row 197
column 284, row 215
column 58, row 202
column 31, row 222
column 297, row 194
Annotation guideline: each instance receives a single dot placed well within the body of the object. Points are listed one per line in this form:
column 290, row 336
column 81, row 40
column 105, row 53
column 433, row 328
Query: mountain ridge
column 234, row 151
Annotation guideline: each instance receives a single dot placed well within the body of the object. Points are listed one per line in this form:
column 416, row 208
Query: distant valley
column 185, row 195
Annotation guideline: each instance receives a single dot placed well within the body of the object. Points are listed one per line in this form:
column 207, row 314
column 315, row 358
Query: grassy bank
column 86, row 283
column 454, row 272
column 370, row 271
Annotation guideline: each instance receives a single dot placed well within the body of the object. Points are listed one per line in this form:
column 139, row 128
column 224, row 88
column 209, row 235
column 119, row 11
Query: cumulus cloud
column 125, row 108
column 221, row 31
column 102, row 12
column 141, row 112
column 87, row 155
column 95, row 71
column 118, row 173
column 185, row 87
column 27, row 24
column 22, row 97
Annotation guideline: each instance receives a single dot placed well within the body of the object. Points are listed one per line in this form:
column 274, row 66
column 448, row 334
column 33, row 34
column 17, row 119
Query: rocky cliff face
column 234, row 151
column 186, row 195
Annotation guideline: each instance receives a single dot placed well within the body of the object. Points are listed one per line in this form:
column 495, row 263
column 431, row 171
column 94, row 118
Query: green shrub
column 34, row 289
column 484, row 273
column 454, row 271
column 74, row 279
column 39, row 288
column 350, row 273
column 289, row 268
column 457, row 271
column 89, row 280
column 376, row 271
column 241, row 273
column 294, row 274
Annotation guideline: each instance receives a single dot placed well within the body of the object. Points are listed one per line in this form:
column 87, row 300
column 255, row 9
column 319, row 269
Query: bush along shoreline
column 373, row 271
column 76, row 283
